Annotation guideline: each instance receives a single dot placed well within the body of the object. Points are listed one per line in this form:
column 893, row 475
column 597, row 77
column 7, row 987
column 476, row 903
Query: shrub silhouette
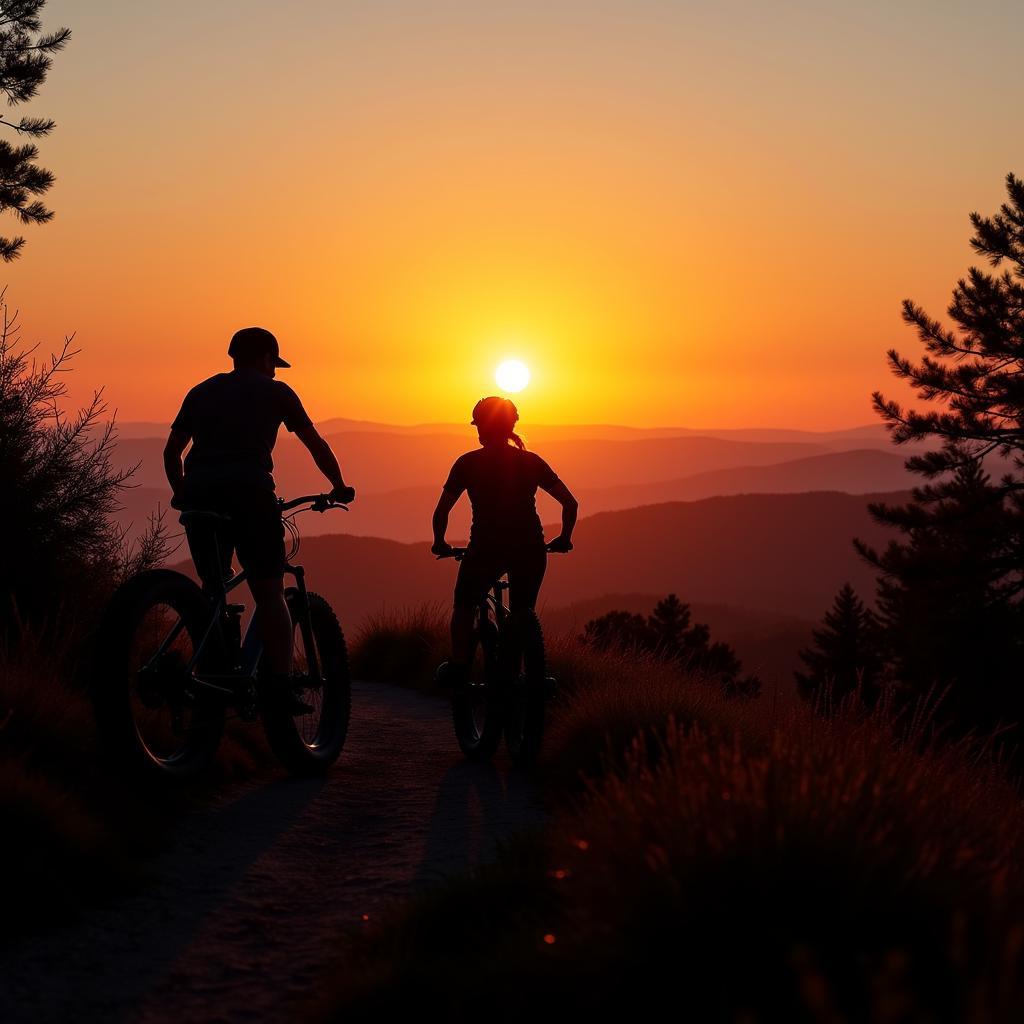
column 668, row 634
column 58, row 491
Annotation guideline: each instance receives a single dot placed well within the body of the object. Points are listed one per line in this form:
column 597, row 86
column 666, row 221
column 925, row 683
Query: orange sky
column 700, row 214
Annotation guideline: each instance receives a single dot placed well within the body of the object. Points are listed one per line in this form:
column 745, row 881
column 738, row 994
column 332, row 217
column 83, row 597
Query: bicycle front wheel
column 521, row 654
column 309, row 744
column 150, row 712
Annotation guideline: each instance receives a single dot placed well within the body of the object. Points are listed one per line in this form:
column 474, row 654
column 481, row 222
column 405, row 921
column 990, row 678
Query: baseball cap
column 255, row 341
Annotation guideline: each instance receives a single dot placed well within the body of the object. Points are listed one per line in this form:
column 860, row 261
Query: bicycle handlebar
column 317, row 503
column 459, row 553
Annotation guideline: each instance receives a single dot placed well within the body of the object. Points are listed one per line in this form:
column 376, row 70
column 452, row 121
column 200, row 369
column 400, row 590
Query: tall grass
column 403, row 647
column 728, row 860
column 76, row 829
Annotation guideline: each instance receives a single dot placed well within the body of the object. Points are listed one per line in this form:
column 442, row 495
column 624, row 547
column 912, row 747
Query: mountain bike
column 172, row 665
column 507, row 689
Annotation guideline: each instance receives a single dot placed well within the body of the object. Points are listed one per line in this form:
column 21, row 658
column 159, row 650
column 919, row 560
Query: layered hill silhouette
column 784, row 555
column 398, row 470
column 405, row 514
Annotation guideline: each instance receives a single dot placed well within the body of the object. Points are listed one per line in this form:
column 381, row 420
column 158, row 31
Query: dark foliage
column 975, row 370
column 58, row 492
column 668, row 634
column 950, row 593
column 26, row 56
column 949, row 599
column 847, row 653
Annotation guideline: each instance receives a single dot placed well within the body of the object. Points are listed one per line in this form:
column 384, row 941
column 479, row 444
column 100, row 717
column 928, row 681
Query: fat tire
column 298, row 757
column 523, row 664
column 110, row 682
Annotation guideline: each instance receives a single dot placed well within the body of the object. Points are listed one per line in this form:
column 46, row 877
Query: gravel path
column 243, row 912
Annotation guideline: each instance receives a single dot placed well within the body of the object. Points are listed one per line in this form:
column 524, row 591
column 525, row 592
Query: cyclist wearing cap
column 506, row 536
column 232, row 420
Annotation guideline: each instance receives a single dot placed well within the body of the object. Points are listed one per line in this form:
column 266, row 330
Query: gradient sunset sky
column 700, row 214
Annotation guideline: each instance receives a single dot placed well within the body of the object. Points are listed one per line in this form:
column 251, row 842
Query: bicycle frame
column 250, row 648
column 494, row 600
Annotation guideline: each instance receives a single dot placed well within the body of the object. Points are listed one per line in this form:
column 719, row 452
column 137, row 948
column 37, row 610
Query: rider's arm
column 177, row 442
column 323, row 456
column 440, row 522
column 570, row 507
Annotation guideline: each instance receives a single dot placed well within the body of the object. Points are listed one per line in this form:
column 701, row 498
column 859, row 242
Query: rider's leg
column 525, row 575
column 470, row 587
column 275, row 624
column 462, row 634
column 259, row 539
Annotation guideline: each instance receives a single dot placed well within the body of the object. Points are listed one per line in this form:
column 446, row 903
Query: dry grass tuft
column 402, row 647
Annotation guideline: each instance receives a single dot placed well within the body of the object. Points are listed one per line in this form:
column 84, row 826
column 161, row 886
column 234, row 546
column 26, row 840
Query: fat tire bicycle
column 507, row 690
column 172, row 664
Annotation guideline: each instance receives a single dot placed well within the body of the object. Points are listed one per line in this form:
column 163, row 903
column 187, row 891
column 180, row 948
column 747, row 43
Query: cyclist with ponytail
column 501, row 478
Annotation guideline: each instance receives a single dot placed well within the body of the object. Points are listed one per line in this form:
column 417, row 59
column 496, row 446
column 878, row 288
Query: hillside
column 405, row 514
column 781, row 554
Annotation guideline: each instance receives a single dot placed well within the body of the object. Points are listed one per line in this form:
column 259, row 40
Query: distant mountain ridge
column 785, row 555
column 404, row 513
column 381, row 462
column 581, row 431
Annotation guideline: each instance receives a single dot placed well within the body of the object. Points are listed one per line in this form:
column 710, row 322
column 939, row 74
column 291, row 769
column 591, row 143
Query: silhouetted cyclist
column 506, row 535
column 232, row 420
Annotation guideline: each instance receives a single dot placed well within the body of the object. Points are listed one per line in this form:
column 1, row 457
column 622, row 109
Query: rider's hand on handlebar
column 560, row 546
column 442, row 549
column 343, row 495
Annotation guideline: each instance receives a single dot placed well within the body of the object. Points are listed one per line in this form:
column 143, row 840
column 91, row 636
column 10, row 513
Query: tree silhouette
column 976, row 371
column 950, row 594
column 617, row 629
column 847, row 653
column 26, row 56
column 949, row 597
column 667, row 633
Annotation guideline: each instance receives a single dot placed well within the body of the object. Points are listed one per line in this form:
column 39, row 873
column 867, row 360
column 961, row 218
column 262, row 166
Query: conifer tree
column 26, row 56
column 949, row 598
column 846, row 655
column 950, row 593
column 974, row 372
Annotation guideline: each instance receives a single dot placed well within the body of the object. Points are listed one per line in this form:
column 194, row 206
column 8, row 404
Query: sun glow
column 512, row 375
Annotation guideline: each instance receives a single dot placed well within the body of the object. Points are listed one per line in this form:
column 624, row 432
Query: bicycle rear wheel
column 150, row 713
column 309, row 744
column 476, row 703
column 521, row 654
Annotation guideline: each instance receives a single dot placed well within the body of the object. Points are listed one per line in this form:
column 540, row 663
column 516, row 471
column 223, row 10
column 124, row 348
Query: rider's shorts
column 483, row 564
column 254, row 531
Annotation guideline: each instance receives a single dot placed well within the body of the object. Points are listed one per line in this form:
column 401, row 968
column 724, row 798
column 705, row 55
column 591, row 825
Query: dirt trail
column 243, row 912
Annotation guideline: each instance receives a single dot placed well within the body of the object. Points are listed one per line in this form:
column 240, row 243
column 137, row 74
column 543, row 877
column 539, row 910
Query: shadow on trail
column 476, row 806
column 253, row 822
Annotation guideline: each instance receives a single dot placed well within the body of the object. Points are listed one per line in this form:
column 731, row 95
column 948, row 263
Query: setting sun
column 512, row 375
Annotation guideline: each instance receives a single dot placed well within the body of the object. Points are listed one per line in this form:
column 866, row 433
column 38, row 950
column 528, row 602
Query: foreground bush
column 75, row 831
column 730, row 862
